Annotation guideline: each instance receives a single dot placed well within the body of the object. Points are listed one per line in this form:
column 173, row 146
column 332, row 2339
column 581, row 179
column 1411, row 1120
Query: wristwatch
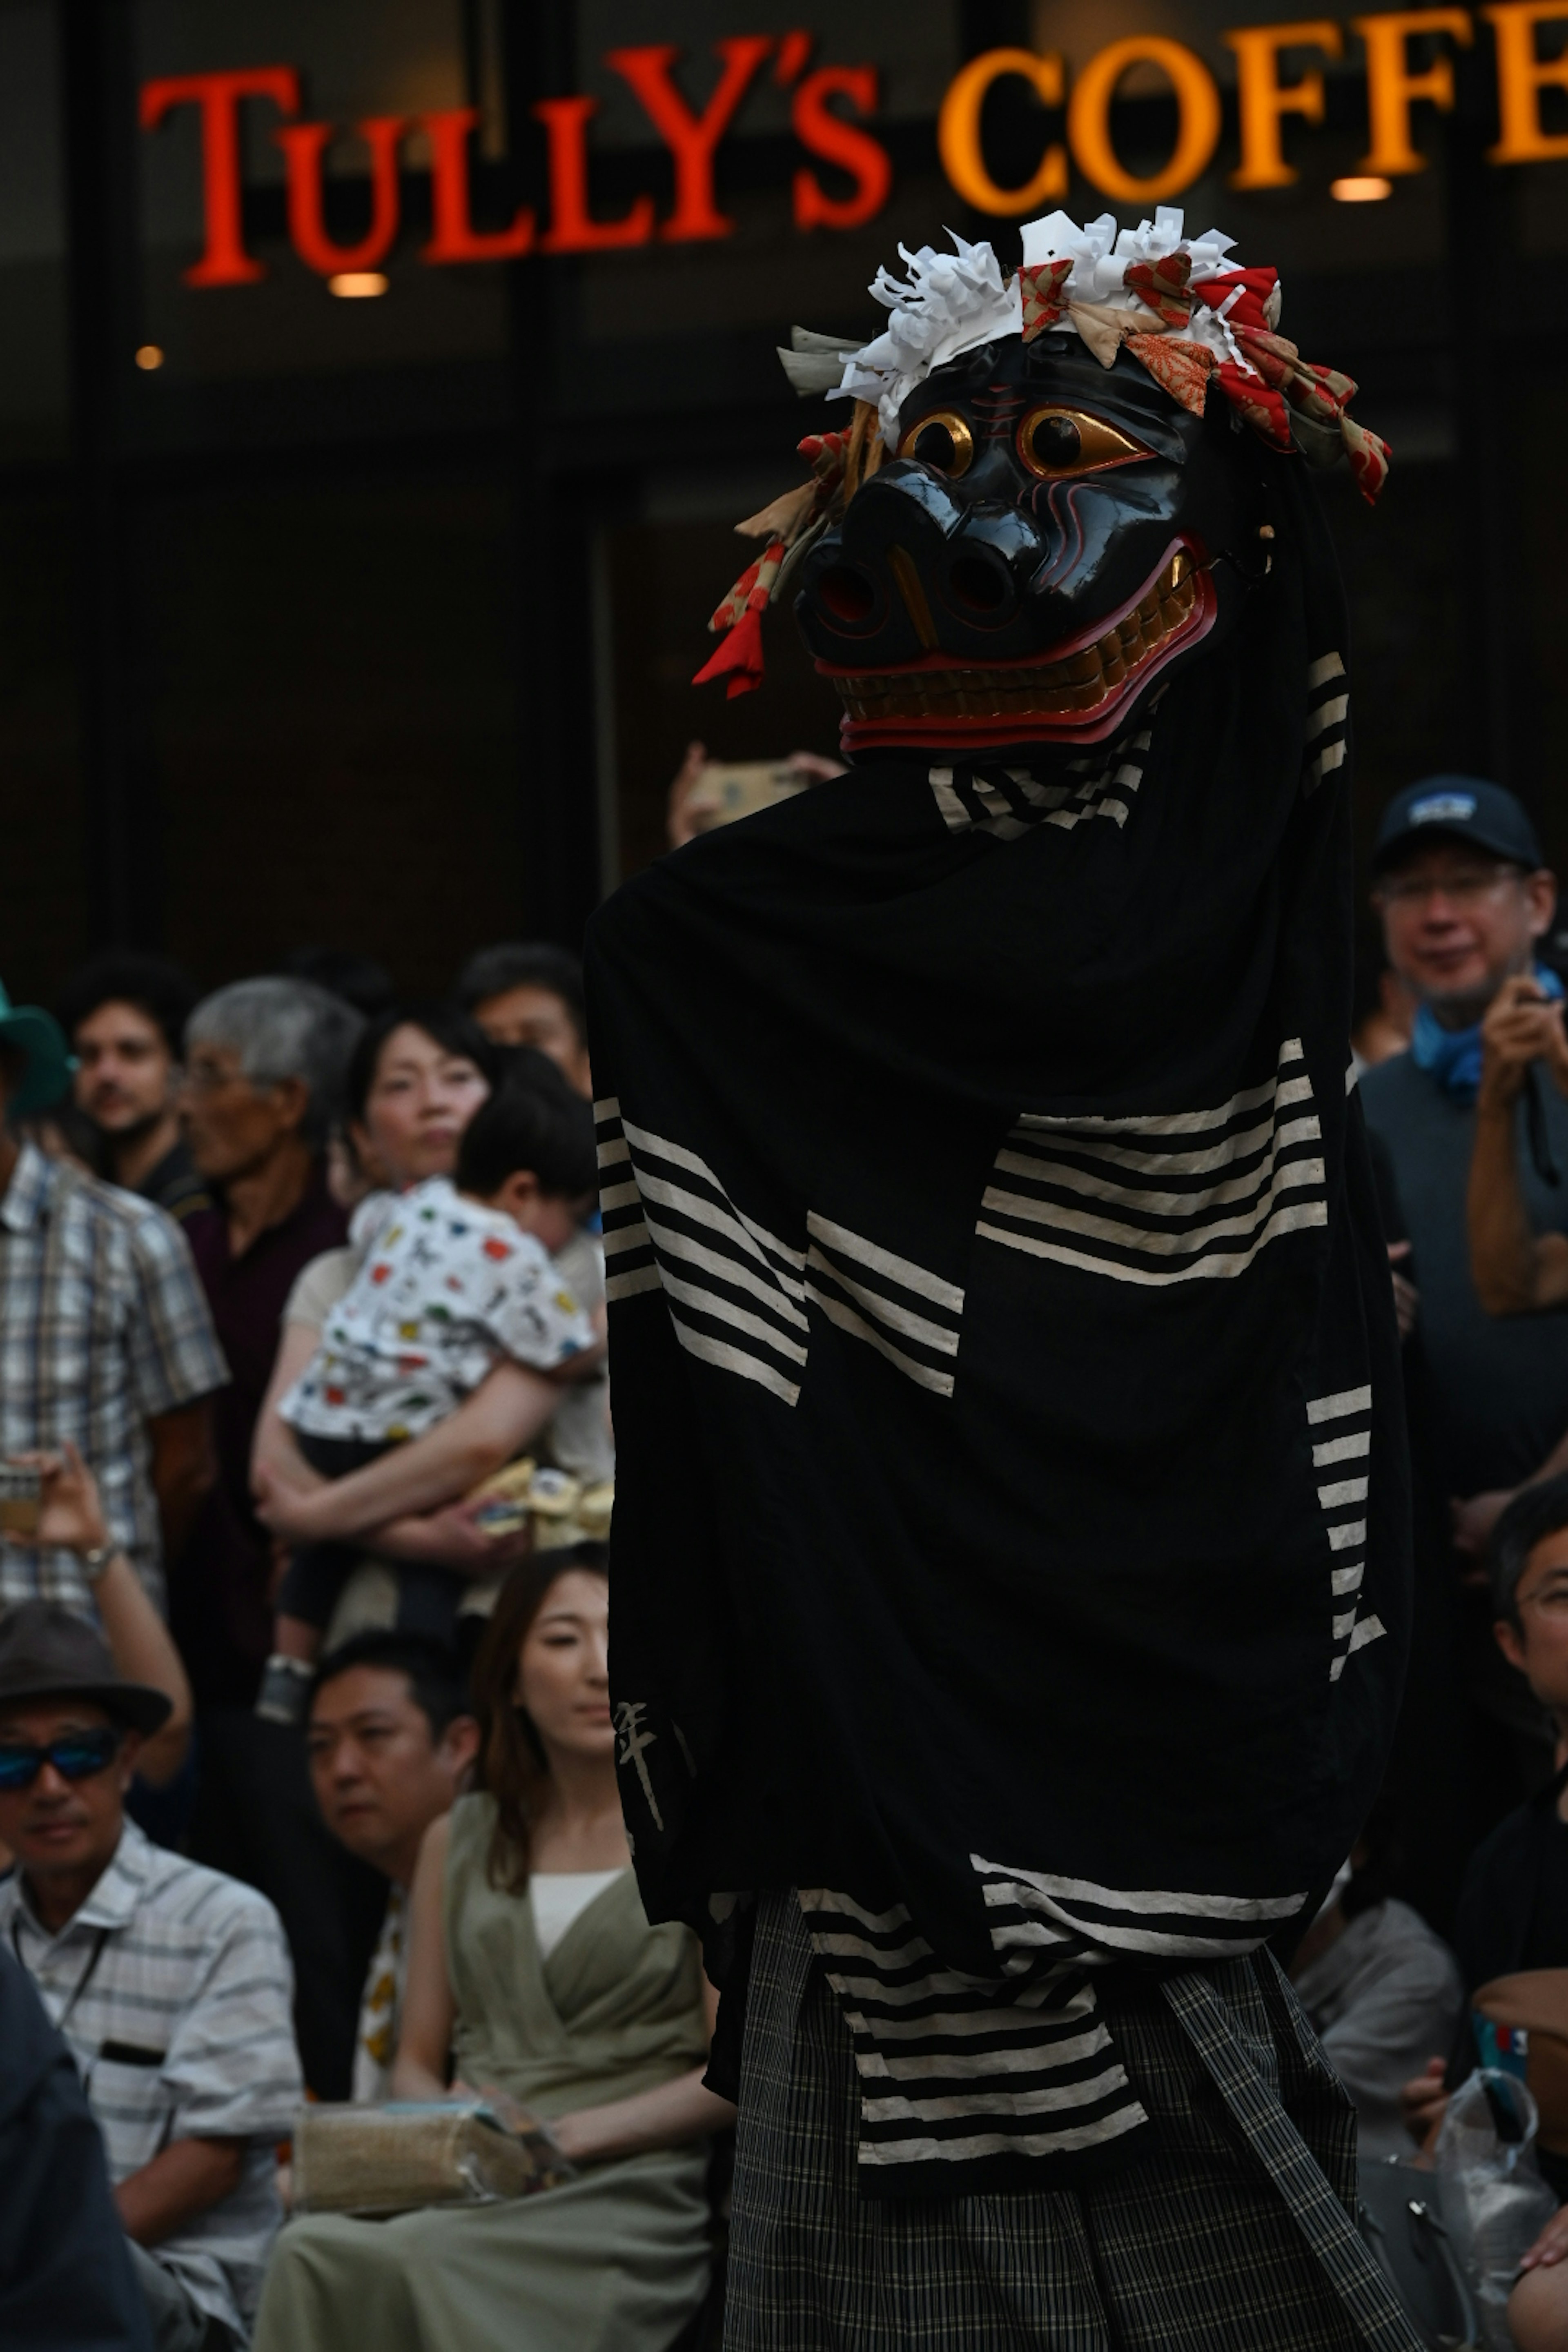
column 95, row 1561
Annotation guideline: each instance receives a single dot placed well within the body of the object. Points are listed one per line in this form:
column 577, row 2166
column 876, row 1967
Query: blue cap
column 1457, row 808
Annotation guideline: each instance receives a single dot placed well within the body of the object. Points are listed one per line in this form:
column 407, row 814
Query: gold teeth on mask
column 1047, row 689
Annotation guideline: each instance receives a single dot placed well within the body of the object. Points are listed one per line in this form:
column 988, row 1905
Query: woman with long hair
column 533, row 1971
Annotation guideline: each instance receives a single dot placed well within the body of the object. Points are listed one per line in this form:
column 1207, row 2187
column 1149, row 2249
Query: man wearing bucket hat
column 169, row 1983
column 106, row 1338
column 1465, row 898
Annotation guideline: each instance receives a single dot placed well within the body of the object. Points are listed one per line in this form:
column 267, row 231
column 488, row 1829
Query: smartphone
column 21, row 1493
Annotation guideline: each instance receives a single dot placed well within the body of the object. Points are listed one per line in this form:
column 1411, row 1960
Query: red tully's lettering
column 573, row 228
column 224, row 261
column 825, row 135
column 453, row 237
column 692, row 138
column 303, row 145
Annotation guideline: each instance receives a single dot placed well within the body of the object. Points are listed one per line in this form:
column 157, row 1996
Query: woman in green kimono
column 532, row 1966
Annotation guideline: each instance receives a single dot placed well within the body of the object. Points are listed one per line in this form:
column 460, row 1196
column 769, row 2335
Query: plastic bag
column 393, row 2160
column 1494, row 2202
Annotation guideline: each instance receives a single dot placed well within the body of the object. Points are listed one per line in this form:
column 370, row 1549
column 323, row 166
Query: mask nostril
column 846, row 593
column 979, row 585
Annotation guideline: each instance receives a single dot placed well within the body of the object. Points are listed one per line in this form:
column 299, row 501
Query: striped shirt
column 171, row 1984
column 103, row 1326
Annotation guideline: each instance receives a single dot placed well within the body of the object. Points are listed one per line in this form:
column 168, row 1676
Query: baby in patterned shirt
column 457, row 1276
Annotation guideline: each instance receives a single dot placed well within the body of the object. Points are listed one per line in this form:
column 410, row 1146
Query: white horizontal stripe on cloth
column 694, row 1253
column 956, row 2151
column 1341, row 1626
column 1209, row 1269
column 844, row 1944
column 619, row 1196
column 826, row 1899
column 1348, row 1536
column 1344, row 1490
column 716, row 1215
column 1048, row 2100
column 621, row 1238
column 1326, row 666
column 1155, row 1902
column 792, row 1258
column 1153, row 1163
column 901, row 1270
column 847, row 1321
column 734, row 1360
column 608, row 1106
column 1183, row 1122
column 614, row 1148
column 723, row 1310
column 996, row 803
column 961, row 2065
column 953, row 812
column 941, row 1983
column 1018, row 2016
column 1061, row 1175
column 1336, row 1408
column 1149, row 1241
column 1347, row 1580
column 1368, row 1628
column 1330, row 1450
column 1327, row 714
column 885, row 1309
column 628, row 1284
column 752, row 1236
column 1155, row 1942
column 1333, row 757
column 1336, row 1667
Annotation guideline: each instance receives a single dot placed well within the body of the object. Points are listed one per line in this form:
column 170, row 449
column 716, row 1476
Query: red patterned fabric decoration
column 1183, row 369
column 1163, row 284
column 783, row 523
column 1044, row 299
column 1245, row 302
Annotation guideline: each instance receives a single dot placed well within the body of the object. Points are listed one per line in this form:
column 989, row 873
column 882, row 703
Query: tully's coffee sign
column 1408, row 61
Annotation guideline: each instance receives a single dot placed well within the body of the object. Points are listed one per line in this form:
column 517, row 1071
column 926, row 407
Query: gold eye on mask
column 1057, row 443
column 943, row 441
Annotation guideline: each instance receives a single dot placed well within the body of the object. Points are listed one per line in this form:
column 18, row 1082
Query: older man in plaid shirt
column 105, row 1336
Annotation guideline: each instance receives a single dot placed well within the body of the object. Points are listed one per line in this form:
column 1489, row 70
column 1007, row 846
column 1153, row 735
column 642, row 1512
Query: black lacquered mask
column 1047, row 540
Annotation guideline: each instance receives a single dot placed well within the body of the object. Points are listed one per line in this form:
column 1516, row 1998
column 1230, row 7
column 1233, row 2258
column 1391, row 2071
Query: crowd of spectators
column 307, row 1782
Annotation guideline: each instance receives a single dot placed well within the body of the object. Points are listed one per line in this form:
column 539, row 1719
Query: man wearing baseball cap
column 1464, row 898
column 169, row 1983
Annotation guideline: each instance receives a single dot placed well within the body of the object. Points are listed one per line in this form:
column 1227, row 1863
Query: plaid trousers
column 1233, row 2235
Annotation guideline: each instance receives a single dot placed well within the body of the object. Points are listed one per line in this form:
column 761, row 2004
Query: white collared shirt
column 172, row 1984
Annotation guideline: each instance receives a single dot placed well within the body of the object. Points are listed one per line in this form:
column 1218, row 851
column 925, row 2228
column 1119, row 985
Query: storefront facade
column 381, row 385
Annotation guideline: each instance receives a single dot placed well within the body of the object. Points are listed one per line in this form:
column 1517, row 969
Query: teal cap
column 38, row 1036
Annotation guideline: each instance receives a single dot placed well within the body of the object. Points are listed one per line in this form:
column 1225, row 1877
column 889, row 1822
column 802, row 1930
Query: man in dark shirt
column 264, row 1062
column 1464, row 898
column 65, row 2274
column 125, row 1016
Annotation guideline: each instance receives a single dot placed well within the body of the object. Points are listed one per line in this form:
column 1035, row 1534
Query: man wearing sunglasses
column 170, row 1983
